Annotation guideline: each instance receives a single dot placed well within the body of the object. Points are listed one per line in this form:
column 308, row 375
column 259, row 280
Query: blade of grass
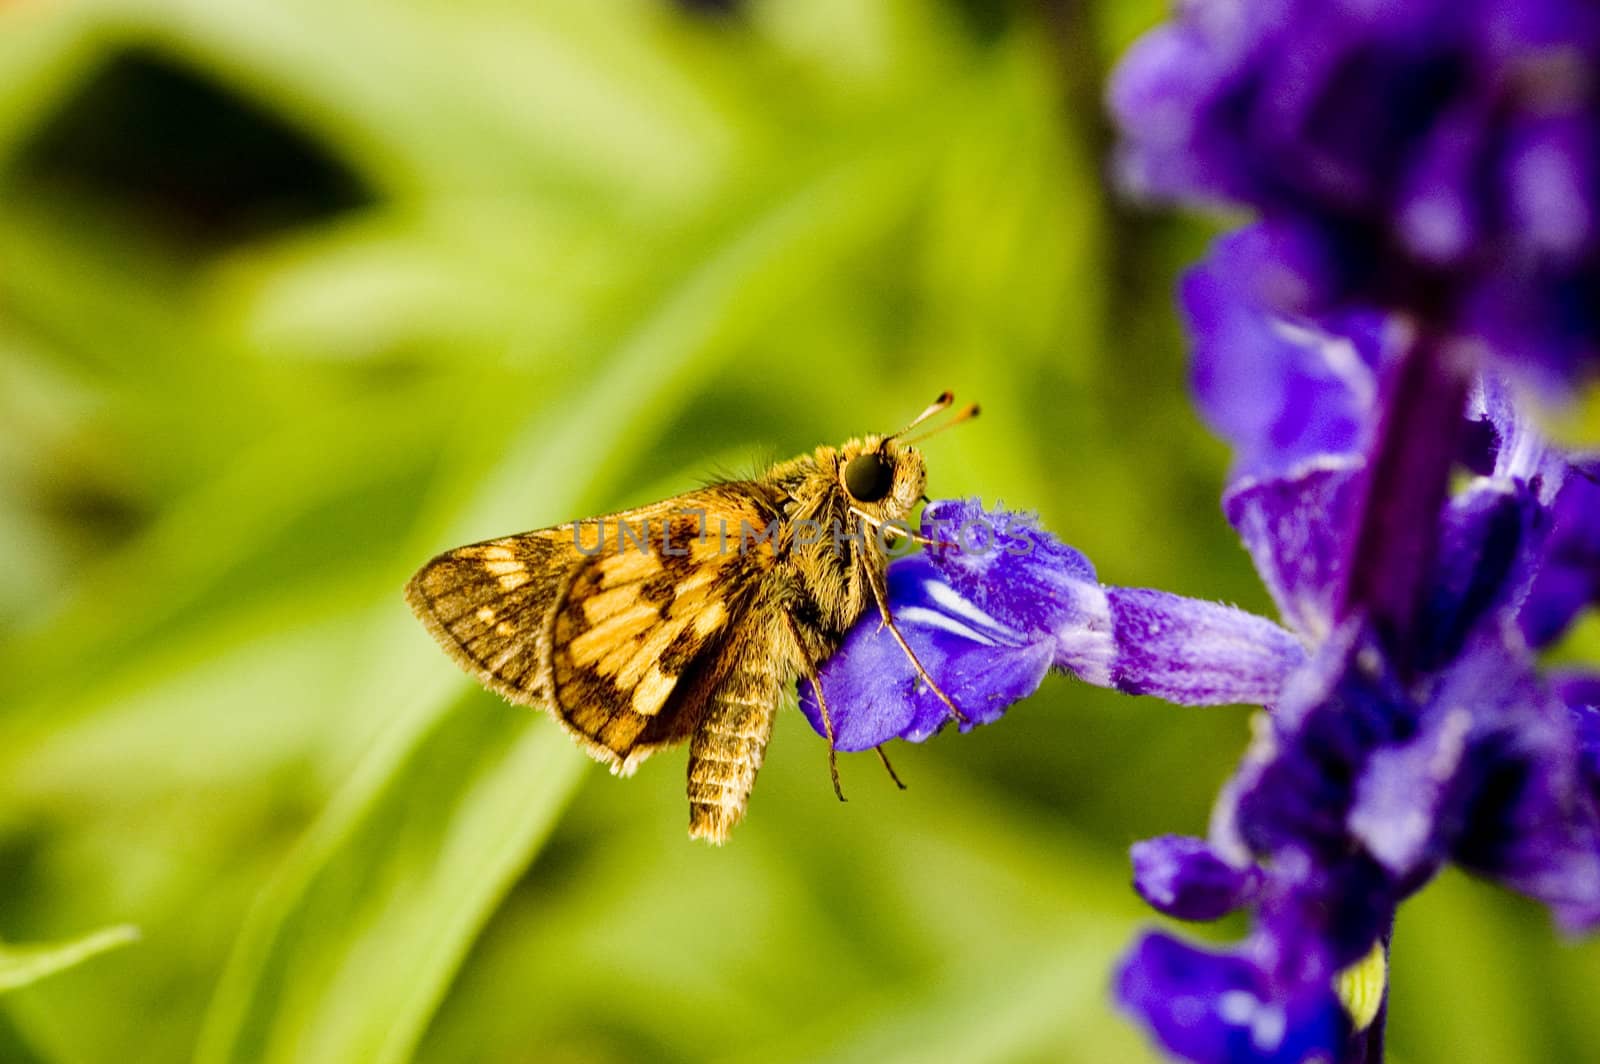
column 343, row 958
column 22, row 965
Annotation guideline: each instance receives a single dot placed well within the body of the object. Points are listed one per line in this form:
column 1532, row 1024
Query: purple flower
column 1186, row 878
column 1379, row 762
column 1222, row 1006
column 1427, row 182
column 1569, row 579
column 1392, row 752
column 989, row 619
column 1282, row 390
column 1440, row 157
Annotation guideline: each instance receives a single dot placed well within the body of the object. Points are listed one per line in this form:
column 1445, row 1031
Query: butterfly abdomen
column 731, row 742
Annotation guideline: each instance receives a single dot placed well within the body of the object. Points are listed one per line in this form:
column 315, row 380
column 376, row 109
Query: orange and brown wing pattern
column 489, row 605
column 601, row 621
column 637, row 621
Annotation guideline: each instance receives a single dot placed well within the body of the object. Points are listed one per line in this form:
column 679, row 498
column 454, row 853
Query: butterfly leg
column 827, row 727
column 809, row 672
column 880, row 592
column 883, row 757
column 729, row 745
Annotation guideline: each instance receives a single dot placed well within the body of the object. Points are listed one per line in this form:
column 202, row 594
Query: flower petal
column 1550, row 174
column 1295, row 789
column 1439, row 211
column 1582, row 697
column 1217, row 1008
column 1297, row 528
column 1533, row 823
column 1185, row 878
column 1281, row 390
column 1403, row 793
column 1196, row 653
column 1170, row 92
column 1569, row 573
column 873, row 691
column 1009, row 568
column 1580, row 693
column 1488, row 542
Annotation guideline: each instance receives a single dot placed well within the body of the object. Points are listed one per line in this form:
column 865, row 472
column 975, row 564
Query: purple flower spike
column 1376, row 768
column 1436, row 158
column 1426, row 180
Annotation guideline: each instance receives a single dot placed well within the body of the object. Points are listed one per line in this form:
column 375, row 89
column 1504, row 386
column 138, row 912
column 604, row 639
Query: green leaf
column 23, row 965
column 1575, row 423
column 351, row 947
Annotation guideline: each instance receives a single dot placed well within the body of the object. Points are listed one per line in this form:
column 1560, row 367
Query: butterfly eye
column 868, row 477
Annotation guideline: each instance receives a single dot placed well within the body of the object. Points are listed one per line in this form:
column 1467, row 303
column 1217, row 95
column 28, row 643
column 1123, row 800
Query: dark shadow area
column 185, row 155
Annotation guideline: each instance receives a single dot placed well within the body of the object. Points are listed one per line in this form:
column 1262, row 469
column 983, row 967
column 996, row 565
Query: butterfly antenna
column 941, row 403
column 966, row 413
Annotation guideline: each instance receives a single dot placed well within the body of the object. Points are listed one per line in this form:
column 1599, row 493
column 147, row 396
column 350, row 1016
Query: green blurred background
column 294, row 294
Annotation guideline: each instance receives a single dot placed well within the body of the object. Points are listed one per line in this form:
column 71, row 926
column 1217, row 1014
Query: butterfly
column 687, row 619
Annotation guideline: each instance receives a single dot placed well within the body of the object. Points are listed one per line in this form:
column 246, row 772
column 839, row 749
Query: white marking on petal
column 1088, row 653
column 1268, row 1028
column 1338, row 354
column 1452, row 744
column 1237, row 1007
column 945, row 597
column 923, row 617
column 1086, row 646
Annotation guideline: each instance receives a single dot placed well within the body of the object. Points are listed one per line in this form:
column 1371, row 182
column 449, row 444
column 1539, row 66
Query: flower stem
column 1408, row 479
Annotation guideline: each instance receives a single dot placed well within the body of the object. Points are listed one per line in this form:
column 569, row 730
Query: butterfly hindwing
column 489, row 604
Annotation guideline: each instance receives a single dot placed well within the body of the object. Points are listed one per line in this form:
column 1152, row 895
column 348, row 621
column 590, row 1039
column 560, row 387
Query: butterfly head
column 885, row 475
column 881, row 475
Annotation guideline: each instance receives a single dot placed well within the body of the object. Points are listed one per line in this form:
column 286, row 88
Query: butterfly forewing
column 489, row 604
column 611, row 623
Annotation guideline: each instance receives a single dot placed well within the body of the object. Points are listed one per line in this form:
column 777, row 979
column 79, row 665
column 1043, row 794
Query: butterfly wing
column 613, row 624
